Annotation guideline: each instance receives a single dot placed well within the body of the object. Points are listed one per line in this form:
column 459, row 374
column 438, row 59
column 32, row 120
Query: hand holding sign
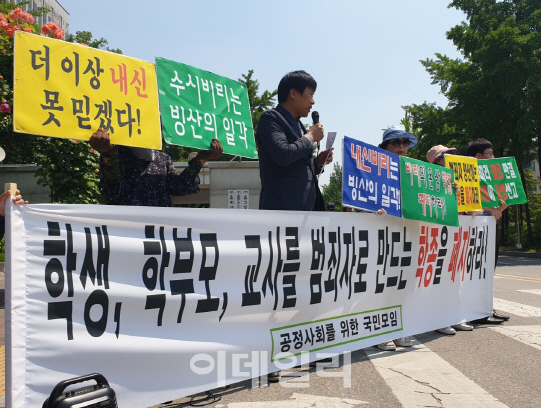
column 17, row 199
column 215, row 150
column 497, row 212
column 100, row 141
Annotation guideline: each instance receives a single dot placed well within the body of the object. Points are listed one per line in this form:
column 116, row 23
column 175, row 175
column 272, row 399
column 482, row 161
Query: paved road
column 492, row 366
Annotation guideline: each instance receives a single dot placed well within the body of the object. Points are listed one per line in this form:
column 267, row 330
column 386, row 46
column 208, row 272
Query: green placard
column 499, row 178
column 427, row 192
column 197, row 106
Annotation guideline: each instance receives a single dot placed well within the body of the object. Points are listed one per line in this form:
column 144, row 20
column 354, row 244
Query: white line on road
column 530, row 335
column 420, row 378
column 532, row 291
column 516, row 308
column 299, row 401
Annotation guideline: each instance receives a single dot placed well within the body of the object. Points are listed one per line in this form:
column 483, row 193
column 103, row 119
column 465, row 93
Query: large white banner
column 168, row 302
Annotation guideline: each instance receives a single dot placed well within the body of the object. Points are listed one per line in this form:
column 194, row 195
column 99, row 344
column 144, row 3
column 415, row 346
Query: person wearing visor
column 396, row 141
column 436, row 154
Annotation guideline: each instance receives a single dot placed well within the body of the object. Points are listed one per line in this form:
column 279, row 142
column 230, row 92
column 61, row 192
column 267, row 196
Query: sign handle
column 12, row 187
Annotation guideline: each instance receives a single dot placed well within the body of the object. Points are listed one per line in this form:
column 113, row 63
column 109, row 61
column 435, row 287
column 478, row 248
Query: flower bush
column 4, row 107
column 19, row 20
column 68, row 168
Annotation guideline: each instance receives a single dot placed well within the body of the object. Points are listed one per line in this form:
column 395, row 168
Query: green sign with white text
column 499, row 178
column 197, row 106
column 427, row 192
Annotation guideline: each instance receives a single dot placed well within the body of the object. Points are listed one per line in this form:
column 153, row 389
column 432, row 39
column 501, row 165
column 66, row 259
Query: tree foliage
column 258, row 103
column 85, row 37
column 70, row 168
column 494, row 89
column 433, row 126
column 332, row 192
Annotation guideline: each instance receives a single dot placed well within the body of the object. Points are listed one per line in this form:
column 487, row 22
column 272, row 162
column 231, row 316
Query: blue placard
column 371, row 178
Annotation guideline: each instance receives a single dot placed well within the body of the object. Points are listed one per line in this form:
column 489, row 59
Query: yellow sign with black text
column 467, row 177
column 71, row 90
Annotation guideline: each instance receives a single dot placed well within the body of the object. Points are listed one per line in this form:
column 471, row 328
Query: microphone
column 315, row 119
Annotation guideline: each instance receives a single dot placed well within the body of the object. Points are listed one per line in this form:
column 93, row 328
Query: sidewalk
column 521, row 254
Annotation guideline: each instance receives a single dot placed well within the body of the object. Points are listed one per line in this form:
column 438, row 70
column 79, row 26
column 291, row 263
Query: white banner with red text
column 169, row 302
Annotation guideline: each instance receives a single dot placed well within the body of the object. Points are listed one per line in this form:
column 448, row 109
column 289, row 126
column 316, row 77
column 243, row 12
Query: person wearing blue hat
column 396, row 141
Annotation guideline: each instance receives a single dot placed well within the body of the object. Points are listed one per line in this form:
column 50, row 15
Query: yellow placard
column 467, row 177
column 70, row 90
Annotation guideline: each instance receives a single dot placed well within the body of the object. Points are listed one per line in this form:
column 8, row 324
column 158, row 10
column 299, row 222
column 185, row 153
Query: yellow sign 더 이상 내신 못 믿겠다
column 70, row 90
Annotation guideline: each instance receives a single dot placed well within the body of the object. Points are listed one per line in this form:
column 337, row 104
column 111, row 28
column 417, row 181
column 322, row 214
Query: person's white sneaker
column 447, row 330
column 462, row 327
column 390, row 346
column 403, row 342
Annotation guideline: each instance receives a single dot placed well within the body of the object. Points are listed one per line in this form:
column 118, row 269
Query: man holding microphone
column 287, row 167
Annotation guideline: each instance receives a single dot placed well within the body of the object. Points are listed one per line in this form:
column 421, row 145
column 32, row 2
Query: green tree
column 433, row 126
column 332, row 192
column 510, row 220
column 85, row 37
column 494, row 90
column 70, row 169
column 258, row 103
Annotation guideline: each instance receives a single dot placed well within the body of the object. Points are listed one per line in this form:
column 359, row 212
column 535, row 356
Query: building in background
column 57, row 13
column 534, row 167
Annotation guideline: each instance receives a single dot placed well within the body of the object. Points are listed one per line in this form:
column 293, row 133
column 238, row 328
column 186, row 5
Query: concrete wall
column 27, row 183
column 227, row 176
column 217, row 178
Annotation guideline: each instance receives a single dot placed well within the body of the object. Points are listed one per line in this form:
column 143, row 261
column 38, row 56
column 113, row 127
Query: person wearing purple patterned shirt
column 137, row 176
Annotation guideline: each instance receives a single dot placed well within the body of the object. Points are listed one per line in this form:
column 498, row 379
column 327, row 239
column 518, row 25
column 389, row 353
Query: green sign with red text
column 499, row 178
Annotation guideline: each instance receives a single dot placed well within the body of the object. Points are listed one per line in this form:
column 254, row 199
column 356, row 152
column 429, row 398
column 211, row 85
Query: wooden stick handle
column 11, row 187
